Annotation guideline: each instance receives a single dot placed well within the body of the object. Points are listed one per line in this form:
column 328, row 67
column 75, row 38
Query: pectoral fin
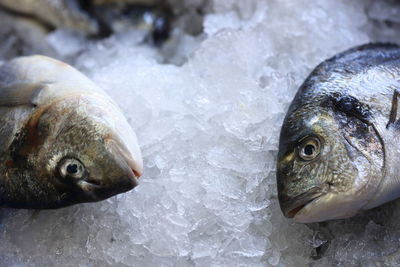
column 393, row 113
column 21, row 93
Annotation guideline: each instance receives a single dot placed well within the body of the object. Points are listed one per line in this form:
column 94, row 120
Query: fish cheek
column 365, row 141
column 284, row 172
column 311, row 174
column 296, row 176
column 357, row 155
column 341, row 172
column 34, row 186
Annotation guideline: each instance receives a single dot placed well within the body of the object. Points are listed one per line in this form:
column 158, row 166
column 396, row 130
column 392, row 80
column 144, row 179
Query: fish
column 55, row 13
column 96, row 18
column 339, row 146
column 63, row 140
column 22, row 36
column 154, row 21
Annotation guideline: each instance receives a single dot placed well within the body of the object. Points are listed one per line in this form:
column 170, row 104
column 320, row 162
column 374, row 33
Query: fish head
column 327, row 162
column 84, row 150
column 76, row 145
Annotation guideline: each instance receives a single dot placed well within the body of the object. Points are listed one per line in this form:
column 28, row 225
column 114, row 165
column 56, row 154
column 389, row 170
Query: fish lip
column 295, row 205
column 134, row 178
column 93, row 184
column 131, row 177
column 95, row 192
column 123, row 156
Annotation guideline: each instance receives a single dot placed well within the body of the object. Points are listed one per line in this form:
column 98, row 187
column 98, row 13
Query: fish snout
column 117, row 174
column 99, row 190
column 290, row 206
column 128, row 163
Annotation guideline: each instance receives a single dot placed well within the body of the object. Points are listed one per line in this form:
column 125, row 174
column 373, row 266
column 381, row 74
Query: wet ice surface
column 208, row 130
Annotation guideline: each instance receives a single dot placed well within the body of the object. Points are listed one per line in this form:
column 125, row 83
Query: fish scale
column 349, row 105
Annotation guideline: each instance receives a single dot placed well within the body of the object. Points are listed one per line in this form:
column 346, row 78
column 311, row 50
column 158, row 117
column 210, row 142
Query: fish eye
column 309, row 148
column 71, row 167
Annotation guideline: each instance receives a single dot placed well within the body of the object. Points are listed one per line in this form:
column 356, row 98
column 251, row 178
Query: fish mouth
column 89, row 185
column 295, row 205
column 134, row 172
column 124, row 158
column 96, row 191
column 125, row 181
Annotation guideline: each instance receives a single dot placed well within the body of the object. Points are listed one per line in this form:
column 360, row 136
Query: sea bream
column 339, row 150
column 62, row 139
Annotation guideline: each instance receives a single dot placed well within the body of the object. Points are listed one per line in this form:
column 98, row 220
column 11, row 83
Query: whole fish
column 339, row 150
column 62, row 139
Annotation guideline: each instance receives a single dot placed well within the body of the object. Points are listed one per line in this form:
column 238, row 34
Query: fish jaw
column 291, row 206
column 326, row 207
column 131, row 162
column 323, row 203
column 97, row 192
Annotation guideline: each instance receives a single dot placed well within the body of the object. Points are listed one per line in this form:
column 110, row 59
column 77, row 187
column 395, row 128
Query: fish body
column 56, row 13
column 62, row 139
column 339, row 149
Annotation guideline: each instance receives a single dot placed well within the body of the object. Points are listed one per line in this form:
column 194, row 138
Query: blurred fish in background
column 29, row 22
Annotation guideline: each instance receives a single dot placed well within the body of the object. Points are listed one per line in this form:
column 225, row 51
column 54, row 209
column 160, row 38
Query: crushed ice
column 208, row 128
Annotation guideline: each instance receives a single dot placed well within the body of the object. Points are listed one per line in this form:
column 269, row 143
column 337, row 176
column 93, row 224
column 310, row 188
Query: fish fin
column 19, row 93
column 393, row 112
